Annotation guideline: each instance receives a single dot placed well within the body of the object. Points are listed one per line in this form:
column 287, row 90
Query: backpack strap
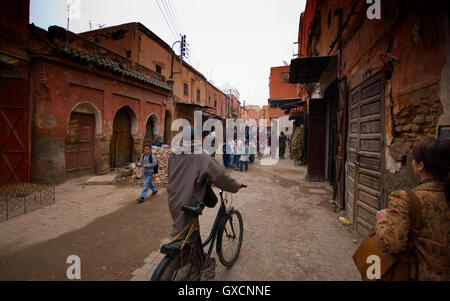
column 415, row 217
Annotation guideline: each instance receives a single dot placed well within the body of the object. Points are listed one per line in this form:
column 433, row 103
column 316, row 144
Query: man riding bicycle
column 190, row 171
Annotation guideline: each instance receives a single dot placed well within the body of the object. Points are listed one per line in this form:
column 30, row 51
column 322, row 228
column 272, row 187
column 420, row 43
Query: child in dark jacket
column 148, row 162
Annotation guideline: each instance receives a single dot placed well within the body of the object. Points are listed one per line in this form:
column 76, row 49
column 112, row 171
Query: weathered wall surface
column 184, row 111
column 410, row 45
column 152, row 53
column 407, row 36
column 68, row 87
column 444, row 85
column 119, row 39
column 415, row 122
column 416, row 101
column 216, row 99
column 194, row 82
column 280, row 88
column 14, row 18
column 306, row 19
column 252, row 113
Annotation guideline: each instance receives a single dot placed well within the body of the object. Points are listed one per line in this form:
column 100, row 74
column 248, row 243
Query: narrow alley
column 102, row 101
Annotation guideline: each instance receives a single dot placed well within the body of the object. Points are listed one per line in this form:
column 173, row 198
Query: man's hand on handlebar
column 241, row 185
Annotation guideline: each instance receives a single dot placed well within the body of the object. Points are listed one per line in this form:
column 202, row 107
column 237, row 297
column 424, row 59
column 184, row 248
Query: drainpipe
column 339, row 12
column 173, row 56
column 171, row 68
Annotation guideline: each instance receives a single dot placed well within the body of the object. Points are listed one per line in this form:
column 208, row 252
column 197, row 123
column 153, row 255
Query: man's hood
column 195, row 147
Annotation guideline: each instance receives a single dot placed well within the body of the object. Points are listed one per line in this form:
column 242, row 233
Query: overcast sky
column 234, row 41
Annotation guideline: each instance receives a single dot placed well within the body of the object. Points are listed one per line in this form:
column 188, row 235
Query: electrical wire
column 167, row 22
column 173, row 21
column 169, row 15
column 175, row 13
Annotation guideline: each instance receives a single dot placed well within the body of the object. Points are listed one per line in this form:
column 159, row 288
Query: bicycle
column 185, row 258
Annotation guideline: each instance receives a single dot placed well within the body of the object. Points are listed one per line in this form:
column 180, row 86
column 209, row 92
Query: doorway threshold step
column 107, row 179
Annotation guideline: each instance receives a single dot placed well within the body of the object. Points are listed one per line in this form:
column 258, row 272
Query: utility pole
column 184, row 51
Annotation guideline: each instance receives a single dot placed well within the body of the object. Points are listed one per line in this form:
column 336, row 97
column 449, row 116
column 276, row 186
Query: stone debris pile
column 162, row 155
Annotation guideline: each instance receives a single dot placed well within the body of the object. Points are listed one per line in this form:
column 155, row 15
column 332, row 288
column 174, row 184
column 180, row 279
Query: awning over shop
column 311, row 69
column 296, row 112
column 299, row 103
column 209, row 113
column 285, row 102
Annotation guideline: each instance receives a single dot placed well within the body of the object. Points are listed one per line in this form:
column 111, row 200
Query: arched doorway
column 121, row 145
column 167, row 128
column 151, row 130
column 149, row 136
column 84, row 123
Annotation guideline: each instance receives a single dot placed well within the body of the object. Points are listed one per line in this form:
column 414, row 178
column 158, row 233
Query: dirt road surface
column 291, row 232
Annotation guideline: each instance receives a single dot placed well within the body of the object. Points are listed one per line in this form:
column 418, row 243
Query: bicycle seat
column 172, row 248
column 194, row 209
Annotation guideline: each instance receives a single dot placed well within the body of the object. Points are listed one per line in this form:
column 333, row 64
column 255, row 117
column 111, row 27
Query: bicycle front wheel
column 229, row 239
column 184, row 266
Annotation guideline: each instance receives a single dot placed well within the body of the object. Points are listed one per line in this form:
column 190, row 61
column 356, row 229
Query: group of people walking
column 236, row 154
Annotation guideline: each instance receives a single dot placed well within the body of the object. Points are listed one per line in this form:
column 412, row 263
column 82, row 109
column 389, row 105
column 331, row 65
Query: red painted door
column 14, row 132
column 80, row 144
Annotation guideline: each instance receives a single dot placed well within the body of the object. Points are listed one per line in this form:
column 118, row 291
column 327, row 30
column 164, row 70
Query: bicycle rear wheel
column 229, row 239
column 184, row 266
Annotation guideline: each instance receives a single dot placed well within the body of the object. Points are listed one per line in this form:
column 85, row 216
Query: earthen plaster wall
column 408, row 44
column 59, row 88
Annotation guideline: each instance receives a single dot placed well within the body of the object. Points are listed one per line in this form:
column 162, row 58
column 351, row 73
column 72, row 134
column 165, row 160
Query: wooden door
column 121, row 141
column 340, row 146
column 366, row 153
column 148, row 139
column 331, row 95
column 167, row 128
column 316, row 140
column 79, row 152
column 14, row 132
